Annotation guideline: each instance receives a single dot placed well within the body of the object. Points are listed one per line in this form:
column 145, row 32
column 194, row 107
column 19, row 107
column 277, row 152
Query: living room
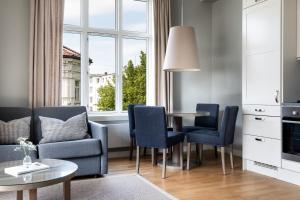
column 149, row 99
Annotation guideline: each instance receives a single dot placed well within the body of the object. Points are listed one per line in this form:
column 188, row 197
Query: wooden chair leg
column 181, row 156
column 138, row 159
column 197, row 150
column 131, row 149
column 216, row 152
column 200, row 153
column 188, row 156
column 231, row 157
column 145, row 151
column 223, row 159
column 164, row 167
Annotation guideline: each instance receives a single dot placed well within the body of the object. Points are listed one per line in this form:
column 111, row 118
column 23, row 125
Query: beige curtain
column 164, row 80
column 45, row 51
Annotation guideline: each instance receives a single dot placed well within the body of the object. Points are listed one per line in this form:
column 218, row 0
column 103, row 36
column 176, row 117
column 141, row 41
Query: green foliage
column 107, row 94
column 134, row 87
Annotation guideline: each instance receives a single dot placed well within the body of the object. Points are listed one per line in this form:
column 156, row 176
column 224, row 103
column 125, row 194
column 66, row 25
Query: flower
column 25, row 145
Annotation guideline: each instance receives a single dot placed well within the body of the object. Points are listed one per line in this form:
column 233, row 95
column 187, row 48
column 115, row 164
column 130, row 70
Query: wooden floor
column 208, row 182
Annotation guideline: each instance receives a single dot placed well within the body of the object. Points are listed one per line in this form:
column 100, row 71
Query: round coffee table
column 60, row 171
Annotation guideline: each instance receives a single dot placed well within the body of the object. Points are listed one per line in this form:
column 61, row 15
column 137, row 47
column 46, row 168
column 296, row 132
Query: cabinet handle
column 259, row 139
column 259, row 110
column 259, row 119
column 277, row 96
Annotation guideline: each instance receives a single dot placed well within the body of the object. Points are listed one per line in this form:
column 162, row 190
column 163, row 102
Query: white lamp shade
column 182, row 52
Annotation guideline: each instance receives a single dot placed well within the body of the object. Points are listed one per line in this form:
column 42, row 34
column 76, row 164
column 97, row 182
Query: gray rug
column 117, row 187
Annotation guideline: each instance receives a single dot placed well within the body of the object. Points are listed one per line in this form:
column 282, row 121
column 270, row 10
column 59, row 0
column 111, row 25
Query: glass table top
column 58, row 169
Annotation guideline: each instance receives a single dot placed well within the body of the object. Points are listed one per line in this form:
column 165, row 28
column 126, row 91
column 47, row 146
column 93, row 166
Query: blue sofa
column 89, row 154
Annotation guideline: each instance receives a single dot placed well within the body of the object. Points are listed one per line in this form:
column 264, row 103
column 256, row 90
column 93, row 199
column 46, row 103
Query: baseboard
column 123, row 152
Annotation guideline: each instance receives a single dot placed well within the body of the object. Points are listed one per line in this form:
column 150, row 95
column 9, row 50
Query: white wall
column 14, row 26
column 227, row 57
column 219, row 32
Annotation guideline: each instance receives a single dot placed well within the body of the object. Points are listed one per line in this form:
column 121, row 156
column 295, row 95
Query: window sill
column 100, row 117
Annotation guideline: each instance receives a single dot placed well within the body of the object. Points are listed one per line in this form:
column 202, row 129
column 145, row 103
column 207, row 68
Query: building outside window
column 109, row 48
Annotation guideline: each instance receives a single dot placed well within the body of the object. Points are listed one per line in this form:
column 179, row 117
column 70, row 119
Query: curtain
column 45, row 52
column 163, row 80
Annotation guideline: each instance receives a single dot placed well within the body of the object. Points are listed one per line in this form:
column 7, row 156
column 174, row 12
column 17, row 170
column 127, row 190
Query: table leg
column 33, row 194
column 20, row 195
column 177, row 127
column 67, row 190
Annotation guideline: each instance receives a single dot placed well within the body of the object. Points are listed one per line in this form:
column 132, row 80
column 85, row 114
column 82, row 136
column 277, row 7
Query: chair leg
column 188, row 156
column 153, row 156
column 181, row 156
column 131, row 149
column 164, row 167
column 216, row 152
column 138, row 159
column 145, row 151
column 197, row 149
column 200, row 153
column 223, row 159
column 231, row 157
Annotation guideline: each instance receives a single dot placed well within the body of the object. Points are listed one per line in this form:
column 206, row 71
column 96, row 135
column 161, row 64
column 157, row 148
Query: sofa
column 89, row 154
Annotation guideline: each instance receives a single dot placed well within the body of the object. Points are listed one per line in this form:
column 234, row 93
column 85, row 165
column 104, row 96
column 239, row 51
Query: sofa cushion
column 70, row 149
column 12, row 130
column 56, row 130
column 8, row 153
column 62, row 113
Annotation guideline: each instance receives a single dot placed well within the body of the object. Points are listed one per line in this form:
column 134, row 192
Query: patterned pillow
column 12, row 130
column 56, row 130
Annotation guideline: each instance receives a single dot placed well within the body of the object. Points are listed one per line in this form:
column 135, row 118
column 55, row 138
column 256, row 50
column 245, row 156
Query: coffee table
column 60, row 171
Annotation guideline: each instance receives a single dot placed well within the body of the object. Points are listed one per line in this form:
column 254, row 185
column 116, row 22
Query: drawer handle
column 259, row 110
column 259, row 119
column 259, row 139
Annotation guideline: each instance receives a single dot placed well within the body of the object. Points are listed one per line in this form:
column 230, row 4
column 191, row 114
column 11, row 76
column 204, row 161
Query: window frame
column 84, row 30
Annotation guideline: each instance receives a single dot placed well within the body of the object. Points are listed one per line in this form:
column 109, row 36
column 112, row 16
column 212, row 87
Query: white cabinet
column 262, row 55
column 263, row 150
column 248, row 3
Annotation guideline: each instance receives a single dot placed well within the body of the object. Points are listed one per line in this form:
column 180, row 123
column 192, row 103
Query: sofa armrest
column 99, row 131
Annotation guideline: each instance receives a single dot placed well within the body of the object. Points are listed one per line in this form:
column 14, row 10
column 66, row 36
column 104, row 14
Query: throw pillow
column 12, row 130
column 56, row 130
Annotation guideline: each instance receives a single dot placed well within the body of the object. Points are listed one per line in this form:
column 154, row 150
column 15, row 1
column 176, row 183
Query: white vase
column 27, row 161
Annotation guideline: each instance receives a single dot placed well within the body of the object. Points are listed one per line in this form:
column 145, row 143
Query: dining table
column 176, row 119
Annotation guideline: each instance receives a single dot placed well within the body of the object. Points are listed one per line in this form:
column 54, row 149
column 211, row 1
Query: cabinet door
column 261, row 53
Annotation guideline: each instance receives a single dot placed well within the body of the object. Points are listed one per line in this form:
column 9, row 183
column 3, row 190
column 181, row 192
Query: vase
column 27, row 161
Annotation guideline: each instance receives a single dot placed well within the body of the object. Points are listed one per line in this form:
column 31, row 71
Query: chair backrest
column 11, row 113
column 210, row 121
column 131, row 118
column 228, row 124
column 150, row 126
column 62, row 113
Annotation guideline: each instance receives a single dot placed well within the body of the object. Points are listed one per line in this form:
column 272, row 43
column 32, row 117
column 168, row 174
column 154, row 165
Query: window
column 107, row 48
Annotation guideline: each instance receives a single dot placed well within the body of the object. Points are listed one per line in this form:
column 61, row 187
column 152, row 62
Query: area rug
column 115, row 187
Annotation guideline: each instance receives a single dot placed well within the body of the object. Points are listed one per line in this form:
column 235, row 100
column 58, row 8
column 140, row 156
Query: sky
column 102, row 48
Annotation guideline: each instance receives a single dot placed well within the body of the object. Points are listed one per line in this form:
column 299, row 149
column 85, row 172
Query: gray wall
column 14, row 26
column 227, row 57
column 219, row 33
column 193, row 87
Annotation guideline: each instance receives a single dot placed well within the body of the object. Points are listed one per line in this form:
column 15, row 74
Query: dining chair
column 132, row 129
column 222, row 138
column 210, row 122
column 151, row 131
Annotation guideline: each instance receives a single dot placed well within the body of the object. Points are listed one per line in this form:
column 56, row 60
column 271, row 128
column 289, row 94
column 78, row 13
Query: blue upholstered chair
column 210, row 122
column 132, row 128
column 222, row 138
column 151, row 131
